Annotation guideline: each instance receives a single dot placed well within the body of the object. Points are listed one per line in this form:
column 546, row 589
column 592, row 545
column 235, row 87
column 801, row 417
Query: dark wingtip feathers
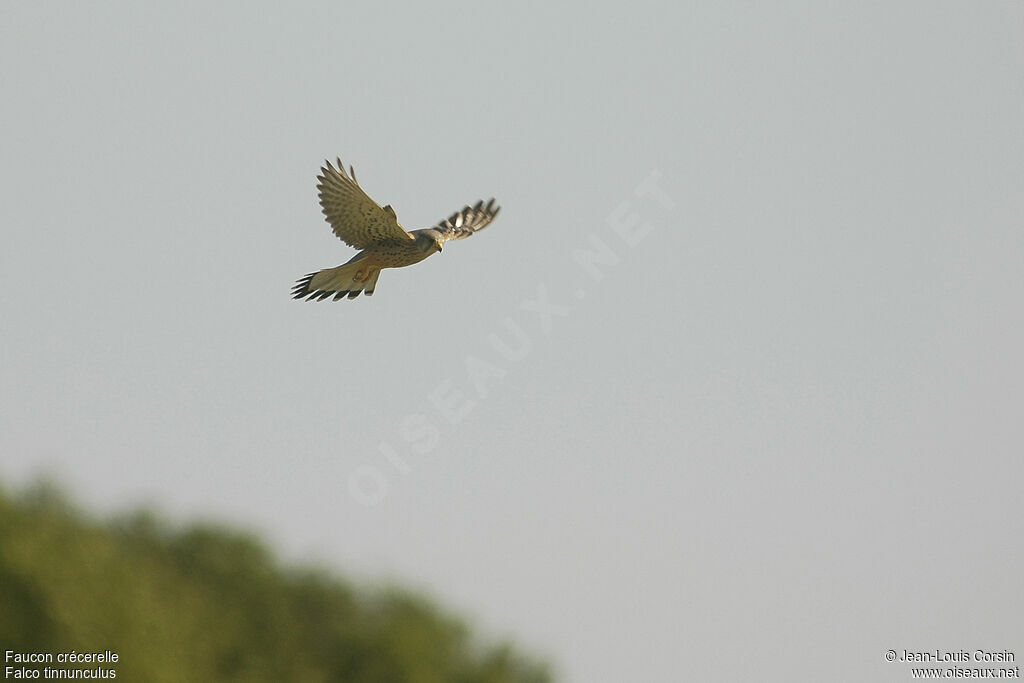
column 301, row 290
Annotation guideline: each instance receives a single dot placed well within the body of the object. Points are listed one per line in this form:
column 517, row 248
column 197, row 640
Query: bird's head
column 429, row 240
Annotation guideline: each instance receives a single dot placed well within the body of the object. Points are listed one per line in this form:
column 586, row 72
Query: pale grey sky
column 772, row 431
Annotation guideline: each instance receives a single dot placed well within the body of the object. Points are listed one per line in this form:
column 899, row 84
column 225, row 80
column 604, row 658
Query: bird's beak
column 439, row 247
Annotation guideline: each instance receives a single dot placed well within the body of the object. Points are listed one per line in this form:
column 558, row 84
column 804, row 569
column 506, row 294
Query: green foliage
column 210, row 604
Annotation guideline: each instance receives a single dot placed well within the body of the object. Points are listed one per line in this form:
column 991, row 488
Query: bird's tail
column 350, row 279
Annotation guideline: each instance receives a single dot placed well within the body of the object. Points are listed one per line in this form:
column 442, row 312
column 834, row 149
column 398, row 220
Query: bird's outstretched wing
column 462, row 224
column 356, row 219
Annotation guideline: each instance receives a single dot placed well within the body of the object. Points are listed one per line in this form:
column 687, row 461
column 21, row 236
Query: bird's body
column 362, row 223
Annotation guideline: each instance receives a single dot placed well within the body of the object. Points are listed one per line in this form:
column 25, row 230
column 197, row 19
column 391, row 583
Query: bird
column 362, row 223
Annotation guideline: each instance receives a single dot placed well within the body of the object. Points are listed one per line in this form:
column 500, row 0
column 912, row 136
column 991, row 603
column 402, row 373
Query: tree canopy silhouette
column 207, row 603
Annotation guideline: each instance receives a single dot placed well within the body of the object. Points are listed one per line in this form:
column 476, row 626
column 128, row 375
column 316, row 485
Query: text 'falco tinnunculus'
column 362, row 223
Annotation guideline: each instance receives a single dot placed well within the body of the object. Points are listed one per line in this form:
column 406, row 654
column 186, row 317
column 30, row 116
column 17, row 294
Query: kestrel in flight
column 362, row 223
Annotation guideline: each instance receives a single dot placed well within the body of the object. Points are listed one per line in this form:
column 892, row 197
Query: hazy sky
column 731, row 390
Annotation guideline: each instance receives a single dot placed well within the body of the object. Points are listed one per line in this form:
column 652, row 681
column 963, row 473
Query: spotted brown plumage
column 362, row 223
